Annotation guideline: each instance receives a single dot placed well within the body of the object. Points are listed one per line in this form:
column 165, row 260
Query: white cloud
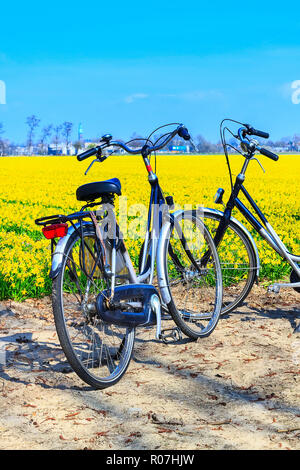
column 195, row 95
column 135, row 96
column 199, row 95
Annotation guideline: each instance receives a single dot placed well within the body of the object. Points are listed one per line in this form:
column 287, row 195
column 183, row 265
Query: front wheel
column 98, row 352
column 238, row 261
column 194, row 290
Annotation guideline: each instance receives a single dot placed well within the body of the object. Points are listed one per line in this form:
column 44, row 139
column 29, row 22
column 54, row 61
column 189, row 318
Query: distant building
column 80, row 132
column 89, row 143
column 292, row 147
column 179, row 148
column 55, row 150
column 60, row 149
column 21, row 150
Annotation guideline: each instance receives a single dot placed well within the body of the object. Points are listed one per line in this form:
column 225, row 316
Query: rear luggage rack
column 51, row 219
column 58, row 219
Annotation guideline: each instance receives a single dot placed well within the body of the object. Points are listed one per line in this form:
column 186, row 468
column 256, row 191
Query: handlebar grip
column 184, row 133
column 87, row 154
column 258, row 133
column 269, row 154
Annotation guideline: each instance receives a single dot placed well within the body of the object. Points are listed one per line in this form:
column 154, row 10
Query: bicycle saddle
column 92, row 191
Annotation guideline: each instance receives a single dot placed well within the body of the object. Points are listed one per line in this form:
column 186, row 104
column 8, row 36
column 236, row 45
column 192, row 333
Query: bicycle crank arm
column 156, row 309
column 277, row 286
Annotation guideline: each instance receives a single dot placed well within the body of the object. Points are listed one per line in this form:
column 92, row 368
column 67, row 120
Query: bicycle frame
column 157, row 218
column 263, row 227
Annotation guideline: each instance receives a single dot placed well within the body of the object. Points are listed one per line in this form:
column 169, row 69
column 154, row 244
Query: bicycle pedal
column 274, row 289
column 297, row 329
column 173, row 336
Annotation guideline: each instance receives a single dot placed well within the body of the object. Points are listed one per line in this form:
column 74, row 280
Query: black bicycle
column 236, row 248
column 99, row 299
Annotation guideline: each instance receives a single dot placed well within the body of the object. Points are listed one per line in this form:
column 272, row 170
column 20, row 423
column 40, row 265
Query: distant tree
column 219, row 147
column 67, row 129
column 91, row 146
column 56, row 139
column 201, row 144
column 296, row 138
column 32, row 122
column 46, row 132
column 135, row 141
column 269, row 143
column 281, row 143
column 1, row 141
column 160, row 138
column 78, row 145
column 10, row 148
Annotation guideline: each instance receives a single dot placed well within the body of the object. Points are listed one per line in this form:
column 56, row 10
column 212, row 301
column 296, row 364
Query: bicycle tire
column 64, row 335
column 243, row 245
column 186, row 319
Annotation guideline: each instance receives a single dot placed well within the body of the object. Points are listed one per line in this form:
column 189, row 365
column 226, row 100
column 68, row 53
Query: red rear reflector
column 55, row 231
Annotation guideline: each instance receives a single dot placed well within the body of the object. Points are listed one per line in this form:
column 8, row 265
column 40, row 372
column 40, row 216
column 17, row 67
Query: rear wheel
column 98, row 352
column 294, row 277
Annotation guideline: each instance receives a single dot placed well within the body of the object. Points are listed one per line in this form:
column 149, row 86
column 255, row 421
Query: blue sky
column 121, row 67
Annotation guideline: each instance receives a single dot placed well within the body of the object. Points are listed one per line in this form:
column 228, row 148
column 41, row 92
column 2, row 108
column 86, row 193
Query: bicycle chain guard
column 133, row 305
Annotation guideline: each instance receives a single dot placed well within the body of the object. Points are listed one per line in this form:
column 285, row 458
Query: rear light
column 55, row 231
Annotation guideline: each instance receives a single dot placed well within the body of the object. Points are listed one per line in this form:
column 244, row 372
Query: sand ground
column 237, row 389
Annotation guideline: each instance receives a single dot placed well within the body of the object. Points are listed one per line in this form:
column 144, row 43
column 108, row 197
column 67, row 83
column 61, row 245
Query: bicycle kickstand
column 275, row 288
column 170, row 335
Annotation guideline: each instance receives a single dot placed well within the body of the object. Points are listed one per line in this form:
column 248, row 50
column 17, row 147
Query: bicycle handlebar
column 252, row 146
column 184, row 133
column 180, row 130
column 268, row 154
column 252, row 131
column 87, row 154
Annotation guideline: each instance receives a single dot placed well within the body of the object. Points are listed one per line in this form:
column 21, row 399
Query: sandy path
column 237, row 389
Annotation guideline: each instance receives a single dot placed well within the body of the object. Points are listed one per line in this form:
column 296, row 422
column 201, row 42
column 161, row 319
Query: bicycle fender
column 160, row 261
column 58, row 255
column 242, row 228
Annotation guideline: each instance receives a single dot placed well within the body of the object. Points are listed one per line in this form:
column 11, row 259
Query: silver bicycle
column 98, row 297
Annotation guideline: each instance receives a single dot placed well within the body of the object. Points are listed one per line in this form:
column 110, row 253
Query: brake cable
column 225, row 145
column 157, row 129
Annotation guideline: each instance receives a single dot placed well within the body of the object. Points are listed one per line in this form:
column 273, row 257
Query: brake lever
column 90, row 165
column 193, row 145
column 99, row 160
column 254, row 146
column 254, row 158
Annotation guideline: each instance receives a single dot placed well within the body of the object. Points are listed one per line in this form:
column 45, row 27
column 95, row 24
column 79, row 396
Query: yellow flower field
column 33, row 187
